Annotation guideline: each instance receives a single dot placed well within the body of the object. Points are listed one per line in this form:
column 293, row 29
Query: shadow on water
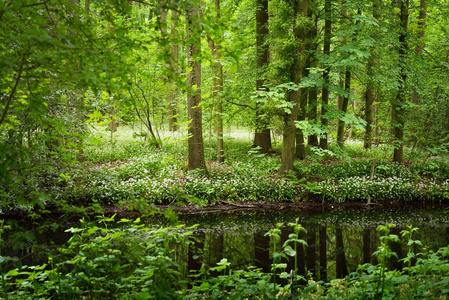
column 339, row 240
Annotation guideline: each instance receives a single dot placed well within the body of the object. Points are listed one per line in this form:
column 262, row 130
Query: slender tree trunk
column 398, row 105
column 217, row 89
column 344, row 107
column 370, row 88
column 326, row 51
column 299, row 139
column 195, row 131
column 173, row 93
column 296, row 69
column 420, row 47
column 262, row 135
column 369, row 116
column 313, row 92
column 309, row 48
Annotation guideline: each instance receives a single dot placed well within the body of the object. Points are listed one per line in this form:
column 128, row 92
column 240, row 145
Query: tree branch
column 13, row 91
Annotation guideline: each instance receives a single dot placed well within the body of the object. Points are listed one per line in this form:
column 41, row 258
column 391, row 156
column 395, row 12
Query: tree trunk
column 369, row 100
column 344, row 107
column 296, row 69
column 173, row 93
column 262, row 135
column 326, row 51
column 309, row 49
column 313, row 92
column 300, row 146
column 398, row 105
column 420, row 47
column 217, row 89
column 195, row 131
column 370, row 88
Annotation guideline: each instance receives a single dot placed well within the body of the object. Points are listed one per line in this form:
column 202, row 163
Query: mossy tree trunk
column 399, row 103
column 195, row 131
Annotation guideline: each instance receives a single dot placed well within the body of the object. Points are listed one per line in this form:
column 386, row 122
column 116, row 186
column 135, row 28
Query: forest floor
column 123, row 173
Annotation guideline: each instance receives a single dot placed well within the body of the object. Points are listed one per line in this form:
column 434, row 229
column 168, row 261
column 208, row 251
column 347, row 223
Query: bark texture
column 398, row 105
column 195, row 131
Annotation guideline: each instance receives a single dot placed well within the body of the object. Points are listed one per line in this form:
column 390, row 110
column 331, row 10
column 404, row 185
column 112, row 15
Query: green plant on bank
column 293, row 238
column 126, row 260
column 130, row 171
column 384, row 254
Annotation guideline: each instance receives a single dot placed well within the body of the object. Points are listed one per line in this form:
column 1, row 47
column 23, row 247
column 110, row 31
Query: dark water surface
column 339, row 239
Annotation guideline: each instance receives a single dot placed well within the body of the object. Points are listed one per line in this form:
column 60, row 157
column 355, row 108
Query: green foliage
column 128, row 261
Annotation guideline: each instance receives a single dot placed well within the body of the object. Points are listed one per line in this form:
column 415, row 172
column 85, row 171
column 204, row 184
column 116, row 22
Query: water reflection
column 338, row 242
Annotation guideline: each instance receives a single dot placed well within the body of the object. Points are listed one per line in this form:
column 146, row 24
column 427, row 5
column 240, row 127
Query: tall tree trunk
column 398, row 105
column 299, row 139
column 344, row 107
column 420, row 46
column 195, row 131
column 312, row 102
column 217, row 89
column 370, row 88
column 262, row 136
column 296, row 69
column 326, row 51
column 173, row 93
column 309, row 50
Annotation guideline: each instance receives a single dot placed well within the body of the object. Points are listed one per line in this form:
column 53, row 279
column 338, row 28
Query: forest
column 117, row 113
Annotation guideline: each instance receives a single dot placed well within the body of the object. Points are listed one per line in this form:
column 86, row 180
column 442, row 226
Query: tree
column 300, row 23
column 173, row 93
column 262, row 135
column 195, row 131
column 217, row 89
column 399, row 103
column 371, row 91
column 307, row 94
column 326, row 80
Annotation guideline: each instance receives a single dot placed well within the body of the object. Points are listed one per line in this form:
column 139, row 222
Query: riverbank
column 128, row 172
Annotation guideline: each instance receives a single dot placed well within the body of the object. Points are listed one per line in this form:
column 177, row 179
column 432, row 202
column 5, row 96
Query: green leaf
column 289, row 251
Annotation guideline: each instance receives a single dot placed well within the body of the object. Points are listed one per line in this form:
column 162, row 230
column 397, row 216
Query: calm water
column 339, row 239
